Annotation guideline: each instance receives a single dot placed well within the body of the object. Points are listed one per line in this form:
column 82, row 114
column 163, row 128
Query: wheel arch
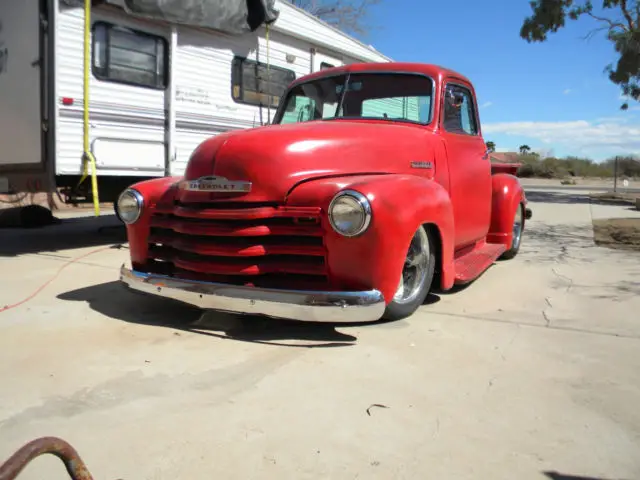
column 400, row 204
column 507, row 195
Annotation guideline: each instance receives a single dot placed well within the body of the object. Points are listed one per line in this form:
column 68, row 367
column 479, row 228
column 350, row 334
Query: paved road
column 531, row 370
column 581, row 188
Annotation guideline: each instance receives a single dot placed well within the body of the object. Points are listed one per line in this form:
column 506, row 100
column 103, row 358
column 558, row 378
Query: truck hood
column 276, row 158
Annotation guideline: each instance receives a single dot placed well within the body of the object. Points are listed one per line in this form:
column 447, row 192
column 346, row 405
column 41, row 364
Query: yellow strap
column 268, row 71
column 87, row 155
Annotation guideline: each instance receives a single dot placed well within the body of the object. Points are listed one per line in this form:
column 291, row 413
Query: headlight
column 350, row 213
column 129, row 206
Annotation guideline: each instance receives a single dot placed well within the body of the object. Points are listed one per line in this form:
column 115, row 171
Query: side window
column 459, row 111
column 128, row 56
column 408, row 108
column 255, row 84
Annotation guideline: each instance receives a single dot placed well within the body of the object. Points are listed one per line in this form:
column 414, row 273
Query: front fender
column 155, row 193
column 507, row 195
column 400, row 204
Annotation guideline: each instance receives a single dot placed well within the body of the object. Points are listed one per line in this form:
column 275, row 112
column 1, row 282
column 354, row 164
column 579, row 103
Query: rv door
column 20, row 88
column 127, row 126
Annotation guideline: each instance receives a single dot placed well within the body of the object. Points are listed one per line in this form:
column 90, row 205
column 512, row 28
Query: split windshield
column 378, row 96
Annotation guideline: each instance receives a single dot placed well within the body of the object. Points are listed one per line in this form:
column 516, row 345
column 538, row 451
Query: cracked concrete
column 533, row 368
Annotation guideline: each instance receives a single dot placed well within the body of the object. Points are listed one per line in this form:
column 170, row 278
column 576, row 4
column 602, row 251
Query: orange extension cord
column 45, row 284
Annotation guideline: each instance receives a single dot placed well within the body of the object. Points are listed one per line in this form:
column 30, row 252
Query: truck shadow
column 113, row 300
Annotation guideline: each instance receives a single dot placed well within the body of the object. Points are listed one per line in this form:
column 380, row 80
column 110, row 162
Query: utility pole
column 615, row 174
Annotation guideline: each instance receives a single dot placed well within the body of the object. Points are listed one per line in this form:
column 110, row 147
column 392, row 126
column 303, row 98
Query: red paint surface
column 296, row 169
column 507, row 196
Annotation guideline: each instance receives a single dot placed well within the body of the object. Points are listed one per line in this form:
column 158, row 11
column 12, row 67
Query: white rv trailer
column 150, row 105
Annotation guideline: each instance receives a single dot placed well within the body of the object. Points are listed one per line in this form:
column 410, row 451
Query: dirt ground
column 621, row 233
column 531, row 373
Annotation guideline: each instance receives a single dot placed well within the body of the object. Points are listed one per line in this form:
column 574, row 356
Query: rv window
column 254, row 84
column 128, row 56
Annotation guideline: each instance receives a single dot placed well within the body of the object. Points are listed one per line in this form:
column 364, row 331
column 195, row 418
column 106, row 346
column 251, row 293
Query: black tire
column 406, row 305
column 516, row 241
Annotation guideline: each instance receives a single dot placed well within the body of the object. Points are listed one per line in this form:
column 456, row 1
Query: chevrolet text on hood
column 372, row 185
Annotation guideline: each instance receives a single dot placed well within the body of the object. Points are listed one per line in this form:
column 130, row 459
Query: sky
column 553, row 96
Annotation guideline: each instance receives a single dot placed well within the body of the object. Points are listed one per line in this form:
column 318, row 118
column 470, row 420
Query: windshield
column 387, row 96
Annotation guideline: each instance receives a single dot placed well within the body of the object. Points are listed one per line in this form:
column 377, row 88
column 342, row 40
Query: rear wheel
column 416, row 278
column 517, row 228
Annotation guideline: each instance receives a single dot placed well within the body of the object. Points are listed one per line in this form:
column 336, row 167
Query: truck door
column 469, row 168
column 21, row 121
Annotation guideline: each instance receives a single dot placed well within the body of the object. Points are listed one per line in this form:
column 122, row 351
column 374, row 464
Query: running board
column 470, row 266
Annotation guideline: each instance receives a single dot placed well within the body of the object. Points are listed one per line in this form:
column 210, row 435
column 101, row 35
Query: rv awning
column 230, row 16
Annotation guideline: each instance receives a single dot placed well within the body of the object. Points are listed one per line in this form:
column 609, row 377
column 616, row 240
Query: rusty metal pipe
column 52, row 445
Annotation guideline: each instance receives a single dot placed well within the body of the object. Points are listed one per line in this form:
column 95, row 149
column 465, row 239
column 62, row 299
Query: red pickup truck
column 371, row 187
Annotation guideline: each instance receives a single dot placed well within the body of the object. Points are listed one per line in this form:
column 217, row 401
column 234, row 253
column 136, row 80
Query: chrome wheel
column 517, row 228
column 415, row 269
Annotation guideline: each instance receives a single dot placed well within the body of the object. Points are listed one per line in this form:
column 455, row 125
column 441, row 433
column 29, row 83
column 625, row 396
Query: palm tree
column 524, row 149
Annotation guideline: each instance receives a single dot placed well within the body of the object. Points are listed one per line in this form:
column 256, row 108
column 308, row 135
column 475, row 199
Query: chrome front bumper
column 310, row 306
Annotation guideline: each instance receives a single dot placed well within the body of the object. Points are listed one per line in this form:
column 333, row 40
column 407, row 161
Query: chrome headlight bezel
column 139, row 200
column 359, row 200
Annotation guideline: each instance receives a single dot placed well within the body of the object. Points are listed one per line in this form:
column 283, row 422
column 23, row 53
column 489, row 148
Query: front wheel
column 518, row 227
column 416, row 278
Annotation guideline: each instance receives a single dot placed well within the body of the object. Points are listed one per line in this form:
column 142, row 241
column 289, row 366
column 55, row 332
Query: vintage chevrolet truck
column 371, row 187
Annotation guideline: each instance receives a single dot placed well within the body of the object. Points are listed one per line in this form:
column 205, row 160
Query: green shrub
column 562, row 168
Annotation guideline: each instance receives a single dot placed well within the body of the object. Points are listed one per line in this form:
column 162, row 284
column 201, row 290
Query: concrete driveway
column 532, row 372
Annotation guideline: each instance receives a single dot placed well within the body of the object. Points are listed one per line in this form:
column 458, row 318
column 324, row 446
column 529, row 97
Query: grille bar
column 245, row 248
column 232, row 230
column 244, row 213
column 250, row 266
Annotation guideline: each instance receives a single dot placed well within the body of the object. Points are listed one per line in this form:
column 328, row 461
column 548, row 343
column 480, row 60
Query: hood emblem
column 215, row 184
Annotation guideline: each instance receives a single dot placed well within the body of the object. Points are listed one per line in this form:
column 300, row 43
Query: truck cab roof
column 434, row 71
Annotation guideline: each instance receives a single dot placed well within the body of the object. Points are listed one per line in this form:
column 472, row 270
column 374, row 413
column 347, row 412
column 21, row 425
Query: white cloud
column 601, row 137
column 486, row 104
column 567, row 91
